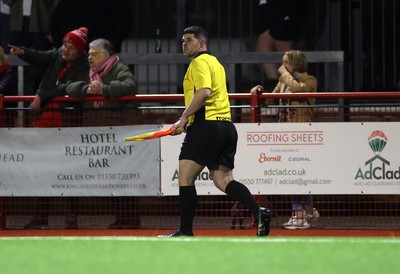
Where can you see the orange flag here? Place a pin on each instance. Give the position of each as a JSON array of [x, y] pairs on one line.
[[149, 135]]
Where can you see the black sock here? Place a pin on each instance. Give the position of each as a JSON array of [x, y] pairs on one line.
[[241, 193], [187, 203]]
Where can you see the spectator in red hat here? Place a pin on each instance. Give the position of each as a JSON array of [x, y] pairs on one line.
[[63, 65], [78, 38]]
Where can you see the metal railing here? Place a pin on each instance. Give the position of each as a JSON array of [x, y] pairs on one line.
[[164, 72], [329, 106], [337, 211]]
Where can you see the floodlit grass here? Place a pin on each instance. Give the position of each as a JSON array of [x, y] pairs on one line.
[[205, 255]]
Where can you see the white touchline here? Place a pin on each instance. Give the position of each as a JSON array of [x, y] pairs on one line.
[[312, 240]]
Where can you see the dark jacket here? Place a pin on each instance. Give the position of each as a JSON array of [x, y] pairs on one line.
[[119, 82], [50, 86]]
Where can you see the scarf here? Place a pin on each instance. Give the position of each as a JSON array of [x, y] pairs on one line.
[[62, 72], [98, 73]]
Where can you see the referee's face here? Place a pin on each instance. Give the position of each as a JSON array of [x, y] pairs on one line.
[[190, 45]]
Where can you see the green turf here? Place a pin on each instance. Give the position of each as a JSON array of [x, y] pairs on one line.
[[205, 255]]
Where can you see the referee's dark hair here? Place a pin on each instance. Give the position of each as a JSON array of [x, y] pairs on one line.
[[199, 32]]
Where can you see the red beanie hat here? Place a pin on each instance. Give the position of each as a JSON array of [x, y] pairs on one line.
[[78, 38]]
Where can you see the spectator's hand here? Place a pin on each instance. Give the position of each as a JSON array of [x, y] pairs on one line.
[[282, 69], [14, 50], [50, 38], [95, 88], [256, 89], [35, 105]]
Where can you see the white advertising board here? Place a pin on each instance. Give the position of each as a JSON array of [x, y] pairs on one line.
[[91, 161], [302, 158]]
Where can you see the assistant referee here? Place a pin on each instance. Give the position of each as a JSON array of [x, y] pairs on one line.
[[211, 137]]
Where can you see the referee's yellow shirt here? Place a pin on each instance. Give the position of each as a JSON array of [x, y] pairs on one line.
[[205, 71]]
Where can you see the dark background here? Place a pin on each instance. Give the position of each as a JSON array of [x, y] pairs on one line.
[[366, 30]]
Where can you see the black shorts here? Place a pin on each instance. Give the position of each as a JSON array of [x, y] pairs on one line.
[[280, 17], [210, 143]]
